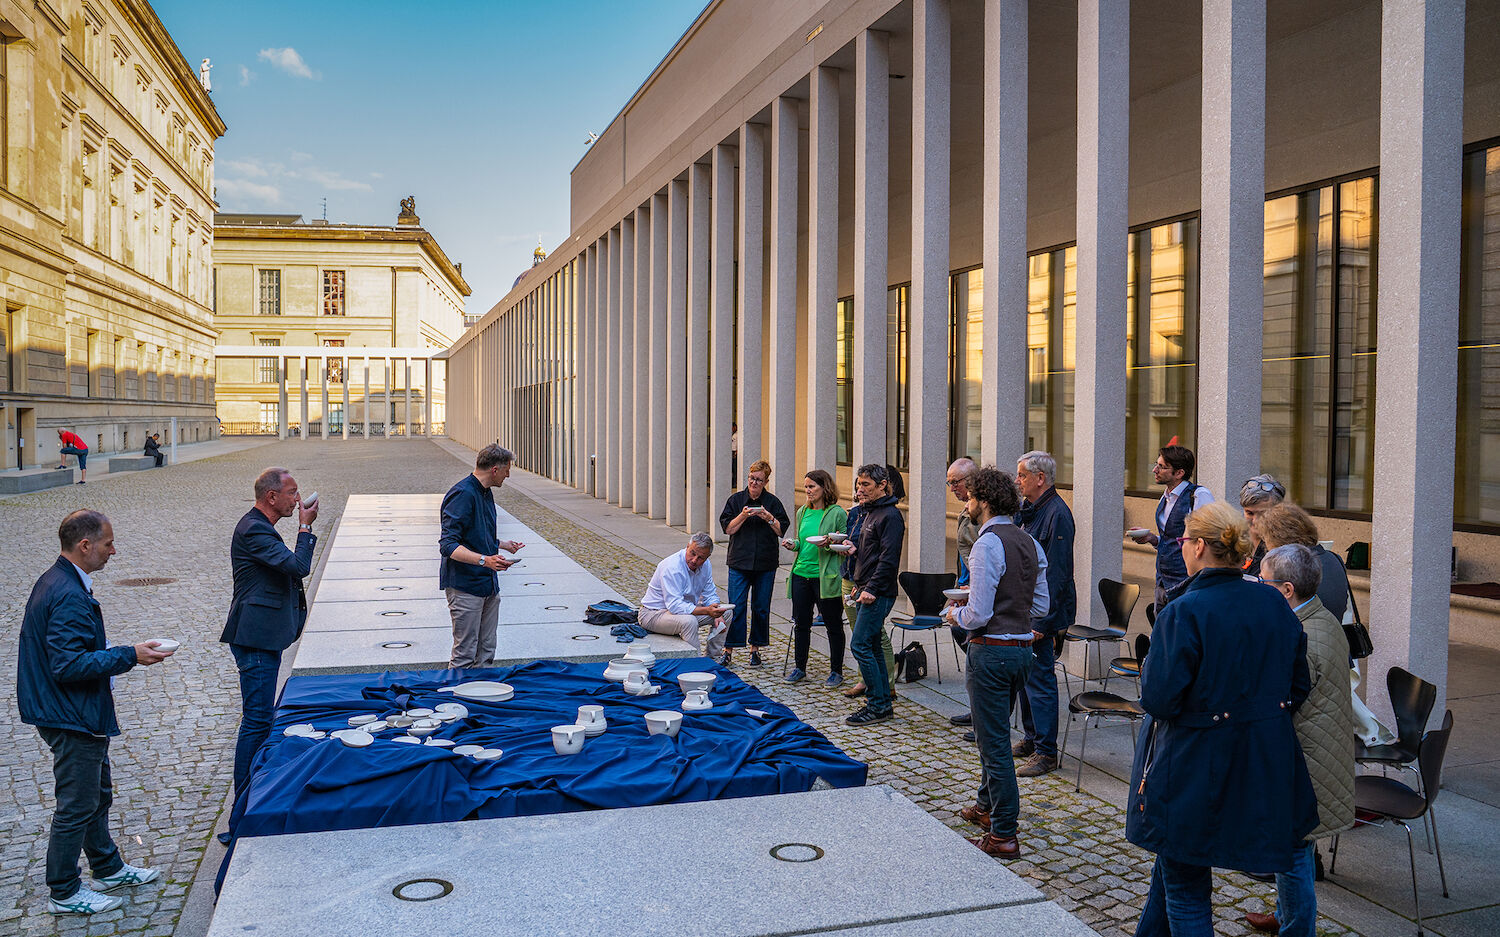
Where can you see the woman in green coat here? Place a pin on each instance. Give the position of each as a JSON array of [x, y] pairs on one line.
[[814, 580]]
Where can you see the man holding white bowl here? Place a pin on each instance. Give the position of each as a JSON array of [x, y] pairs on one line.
[[682, 597]]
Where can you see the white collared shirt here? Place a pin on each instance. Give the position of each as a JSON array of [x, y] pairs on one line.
[[678, 589], [986, 569], [88, 581], [1201, 496]]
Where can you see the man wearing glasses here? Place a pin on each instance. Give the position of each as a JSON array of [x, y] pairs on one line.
[[1174, 466], [958, 483]]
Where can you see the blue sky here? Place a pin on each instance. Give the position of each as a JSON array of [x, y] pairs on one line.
[[479, 109]]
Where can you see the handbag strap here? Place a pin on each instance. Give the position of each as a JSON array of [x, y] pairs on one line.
[[1349, 588]]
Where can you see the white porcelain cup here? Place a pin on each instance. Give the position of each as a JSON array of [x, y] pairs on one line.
[[664, 722], [636, 680], [591, 715], [697, 698], [568, 740]]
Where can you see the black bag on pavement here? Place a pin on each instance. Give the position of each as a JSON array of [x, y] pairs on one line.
[[911, 663], [610, 612]]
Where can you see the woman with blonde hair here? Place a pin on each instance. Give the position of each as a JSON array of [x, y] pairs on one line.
[[1286, 523], [1219, 779]]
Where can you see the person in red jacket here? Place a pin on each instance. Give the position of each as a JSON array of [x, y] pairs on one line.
[[73, 444]]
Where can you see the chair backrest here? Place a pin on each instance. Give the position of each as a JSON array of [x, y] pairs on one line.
[[1119, 600], [1142, 646], [1412, 699], [1430, 757], [925, 590], [1151, 614]]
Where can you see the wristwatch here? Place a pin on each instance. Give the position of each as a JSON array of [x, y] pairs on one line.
[[306, 527]]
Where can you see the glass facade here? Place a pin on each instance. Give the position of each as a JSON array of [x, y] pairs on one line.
[[1161, 345], [1476, 448], [843, 452], [966, 358], [897, 372]]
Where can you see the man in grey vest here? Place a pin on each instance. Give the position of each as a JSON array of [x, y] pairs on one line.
[[1007, 593]]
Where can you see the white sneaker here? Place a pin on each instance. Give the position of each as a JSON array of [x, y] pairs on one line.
[[128, 875], [84, 901]]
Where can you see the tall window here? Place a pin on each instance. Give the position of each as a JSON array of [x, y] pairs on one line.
[[898, 365], [1318, 345], [1476, 449], [335, 416], [270, 417], [8, 349], [966, 352], [1051, 327], [1161, 345], [4, 107], [270, 292], [844, 402], [333, 292], [335, 365], [270, 368]]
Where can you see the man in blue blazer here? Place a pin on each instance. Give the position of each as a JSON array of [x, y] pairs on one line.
[[269, 607], [65, 666]]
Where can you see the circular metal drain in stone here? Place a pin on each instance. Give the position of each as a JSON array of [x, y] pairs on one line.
[[533, 583], [797, 852], [395, 645], [385, 541], [585, 637], [386, 553], [144, 581], [423, 889], [392, 614], [390, 569], [555, 608], [392, 588]]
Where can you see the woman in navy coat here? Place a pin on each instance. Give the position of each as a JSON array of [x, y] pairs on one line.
[[1219, 778]]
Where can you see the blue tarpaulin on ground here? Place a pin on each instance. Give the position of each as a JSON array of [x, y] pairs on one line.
[[305, 785]]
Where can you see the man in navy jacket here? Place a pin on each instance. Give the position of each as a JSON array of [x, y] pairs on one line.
[[470, 544], [1046, 516], [65, 665], [269, 608]]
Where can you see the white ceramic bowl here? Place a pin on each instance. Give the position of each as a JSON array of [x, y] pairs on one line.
[[407, 740], [424, 727], [441, 743], [356, 739], [956, 593], [364, 720], [837, 536], [568, 740], [663, 722], [422, 713], [458, 709], [467, 749], [305, 729], [695, 680], [818, 541], [618, 668], [166, 645], [399, 720], [488, 754]]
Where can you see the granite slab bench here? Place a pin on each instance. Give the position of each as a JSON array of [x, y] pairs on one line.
[[15, 483], [134, 463]]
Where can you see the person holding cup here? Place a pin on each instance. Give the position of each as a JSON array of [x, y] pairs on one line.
[[814, 580], [754, 520]]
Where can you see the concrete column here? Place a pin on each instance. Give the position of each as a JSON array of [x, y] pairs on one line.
[[1002, 418], [872, 132], [555, 316], [751, 231], [584, 369], [657, 366], [721, 387], [426, 399], [302, 383], [609, 400], [1231, 233], [283, 419], [367, 397], [602, 373], [623, 475], [323, 390], [406, 365], [390, 386], [782, 354], [676, 376], [1421, 122], [699, 359], [645, 223], [931, 92], [822, 268], [1099, 419], [344, 387]]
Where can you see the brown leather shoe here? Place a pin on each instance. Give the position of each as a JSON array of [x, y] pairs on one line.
[[1001, 847], [1265, 923], [976, 816], [857, 690], [1023, 749], [1036, 766]]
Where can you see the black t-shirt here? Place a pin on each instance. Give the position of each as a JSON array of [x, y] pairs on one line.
[[754, 547]]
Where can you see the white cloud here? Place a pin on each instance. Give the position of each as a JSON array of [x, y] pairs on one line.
[[328, 179], [245, 191], [246, 76], [289, 61], [377, 175], [246, 167]]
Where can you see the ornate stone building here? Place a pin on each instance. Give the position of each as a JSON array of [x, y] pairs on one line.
[[105, 234], [386, 296]]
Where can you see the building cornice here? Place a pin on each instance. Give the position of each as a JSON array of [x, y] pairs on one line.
[[144, 18], [349, 233], [52, 16]]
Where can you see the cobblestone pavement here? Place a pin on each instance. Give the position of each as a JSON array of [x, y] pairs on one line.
[[173, 763]]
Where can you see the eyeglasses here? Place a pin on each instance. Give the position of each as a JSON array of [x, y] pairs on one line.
[[1274, 488], [757, 478], [955, 482], [1270, 581], [1186, 539]]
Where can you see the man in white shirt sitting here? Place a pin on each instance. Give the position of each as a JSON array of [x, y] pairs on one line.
[[682, 597]]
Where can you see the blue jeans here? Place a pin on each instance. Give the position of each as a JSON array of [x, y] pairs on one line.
[[1296, 902], [258, 669], [83, 455], [993, 673], [869, 626], [80, 769], [1038, 698], [1180, 903], [756, 586]]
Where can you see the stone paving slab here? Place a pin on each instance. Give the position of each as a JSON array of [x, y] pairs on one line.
[[882, 859], [1041, 919], [517, 584], [420, 612], [342, 553]]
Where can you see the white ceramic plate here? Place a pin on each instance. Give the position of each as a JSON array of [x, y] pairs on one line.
[[817, 541], [467, 749], [364, 720], [486, 690], [356, 739], [458, 709], [316, 734], [419, 713], [376, 726], [305, 729], [441, 743], [407, 740], [489, 754]]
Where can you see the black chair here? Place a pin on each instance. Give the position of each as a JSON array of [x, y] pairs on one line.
[[1391, 800], [1099, 704], [925, 590], [1412, 699], [1119, 600], [1130, 666]]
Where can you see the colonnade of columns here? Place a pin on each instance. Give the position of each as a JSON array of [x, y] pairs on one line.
[[668, 297], [396, 371]]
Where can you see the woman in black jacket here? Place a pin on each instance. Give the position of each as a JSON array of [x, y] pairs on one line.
[[754, 520], [877, 558]]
